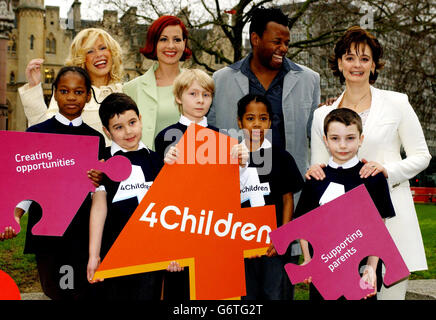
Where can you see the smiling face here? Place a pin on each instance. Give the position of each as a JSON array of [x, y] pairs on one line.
[[271, 48], [256, 120], [357, 64], [170, 45], [98, 62], [125, 130], [71, 95], [342, 141], [195, 102]]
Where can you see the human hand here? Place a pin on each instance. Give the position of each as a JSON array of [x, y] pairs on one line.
[[369, 281], [271, 251], [93, 264], [328, 102], [240, 151], [33, 72], [172, 155], [307, 280], [174, 266], [372, 168], [9, 232], [96, 176], [316, 171]]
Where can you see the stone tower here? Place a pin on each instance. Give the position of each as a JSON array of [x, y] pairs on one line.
[[30, 45], [30, 25]]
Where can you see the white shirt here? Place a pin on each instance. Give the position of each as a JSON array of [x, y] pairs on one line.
[[347, 165], [187, 122], [114, 149], [62, 119]]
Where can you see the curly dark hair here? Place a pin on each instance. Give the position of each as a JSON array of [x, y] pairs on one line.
[[355, 35]]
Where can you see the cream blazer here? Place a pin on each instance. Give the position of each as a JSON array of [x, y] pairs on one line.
[[36, 110], [143, 90], [391, 123]]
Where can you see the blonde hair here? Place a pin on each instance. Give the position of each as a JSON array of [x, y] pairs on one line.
[[185, 79], [84, 40]]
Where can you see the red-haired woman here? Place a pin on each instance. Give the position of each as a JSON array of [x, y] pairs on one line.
[[153, 92]]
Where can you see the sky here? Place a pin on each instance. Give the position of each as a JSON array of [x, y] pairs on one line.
[[87, 13]]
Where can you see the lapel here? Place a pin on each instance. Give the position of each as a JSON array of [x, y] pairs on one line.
[[149, 82], [376, 104], [289, 82], [242, 82], [291, 79]]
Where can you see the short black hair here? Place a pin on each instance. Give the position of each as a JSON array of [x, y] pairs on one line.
[[261, 16], [247, 99], [75, 69], [345, 116], [115, 104]]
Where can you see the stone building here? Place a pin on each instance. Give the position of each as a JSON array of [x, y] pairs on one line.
[[39, 32]]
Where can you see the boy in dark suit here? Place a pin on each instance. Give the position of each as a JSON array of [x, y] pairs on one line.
[[113, 203], [343, 137]]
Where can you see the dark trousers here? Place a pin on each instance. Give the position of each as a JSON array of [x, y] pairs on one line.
[[62, 277], [266, 279], [143, 286], [176, 285]]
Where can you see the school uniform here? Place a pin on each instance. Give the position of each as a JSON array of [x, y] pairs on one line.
[[122, 200], [71, 249], [36, 109], [317, 192], [271, 173], [176, 284], [173, 133]]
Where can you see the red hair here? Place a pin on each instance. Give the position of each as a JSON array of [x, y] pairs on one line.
[[154, 32]]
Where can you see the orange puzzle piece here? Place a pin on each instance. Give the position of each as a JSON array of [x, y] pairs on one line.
[[192, 214]]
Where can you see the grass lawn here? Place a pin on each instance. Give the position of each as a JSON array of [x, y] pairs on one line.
[[22, 268], [427, 222]]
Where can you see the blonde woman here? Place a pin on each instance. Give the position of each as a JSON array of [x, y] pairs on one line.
[[92, 49]]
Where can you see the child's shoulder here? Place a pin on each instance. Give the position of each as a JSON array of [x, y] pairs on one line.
[[280, 152], [90, 130], [213, 128], [377, 180], [176, 126], [44, 127]]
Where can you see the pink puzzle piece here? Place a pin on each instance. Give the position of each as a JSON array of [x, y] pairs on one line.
[[342, 232], [51, 170]]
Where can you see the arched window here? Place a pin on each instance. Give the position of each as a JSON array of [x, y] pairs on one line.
[[12, 77], [50, 44], [47, 45], [53, 45], [12, 45], [32, 40]]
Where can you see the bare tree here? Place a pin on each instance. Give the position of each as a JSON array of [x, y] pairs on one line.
[[406, 28]]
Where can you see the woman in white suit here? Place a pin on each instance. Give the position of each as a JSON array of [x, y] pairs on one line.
[[389, 123]]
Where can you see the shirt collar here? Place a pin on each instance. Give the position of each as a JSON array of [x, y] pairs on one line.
[[115, 147], [62, 119], [185, 121], [244, 64], [265, 144], [349, 164]]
